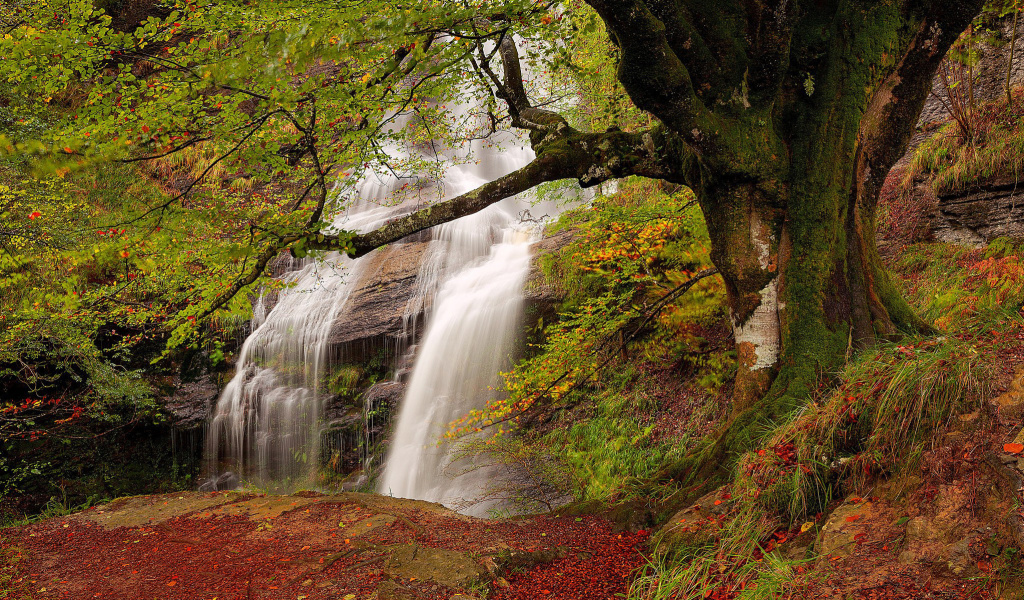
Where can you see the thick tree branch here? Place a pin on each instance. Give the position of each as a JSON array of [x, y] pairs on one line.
[[589, 158], [654, 76]]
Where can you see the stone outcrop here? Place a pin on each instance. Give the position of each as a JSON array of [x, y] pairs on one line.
[[374, 318], [989, 211], [990, 72]]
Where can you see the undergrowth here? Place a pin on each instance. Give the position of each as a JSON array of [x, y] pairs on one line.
[[995, 152], [964, 289], [869, 423]]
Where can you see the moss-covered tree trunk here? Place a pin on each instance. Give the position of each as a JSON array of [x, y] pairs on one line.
[[796, 112]]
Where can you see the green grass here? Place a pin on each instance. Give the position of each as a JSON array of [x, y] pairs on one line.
[[11, 585], [55, 507], [964, 290], [996, 153], [734, 561]]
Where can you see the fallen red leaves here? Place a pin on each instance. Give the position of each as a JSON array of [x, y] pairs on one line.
[[598, 567], [300, 553]]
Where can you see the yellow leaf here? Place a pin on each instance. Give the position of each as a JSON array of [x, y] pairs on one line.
[[806, 526]]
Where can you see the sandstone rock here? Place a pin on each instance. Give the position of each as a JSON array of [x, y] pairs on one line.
[[959, 561], [921, 529], [447, 567], [512, 561], [374, 317], [1015, 523], [1009, 406], [837, 536]]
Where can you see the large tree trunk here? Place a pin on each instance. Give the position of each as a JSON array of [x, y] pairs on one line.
[[793, 232]]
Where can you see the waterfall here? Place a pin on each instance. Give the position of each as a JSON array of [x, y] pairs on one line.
[[470, 338], [267, 422], [266, 425]]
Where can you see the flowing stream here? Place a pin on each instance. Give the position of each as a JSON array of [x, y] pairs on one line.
[[265, 428]]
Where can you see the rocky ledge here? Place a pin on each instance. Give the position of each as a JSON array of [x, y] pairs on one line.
[[378, 311], [980, 215]]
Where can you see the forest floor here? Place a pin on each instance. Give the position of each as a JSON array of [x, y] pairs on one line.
[[235, 545]]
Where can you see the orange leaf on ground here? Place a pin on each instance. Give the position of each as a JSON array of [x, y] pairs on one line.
[[1013, 448], [852, 518]]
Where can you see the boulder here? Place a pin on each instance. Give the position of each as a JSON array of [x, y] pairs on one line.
[[838, 535], [695, 525], [941, 538]]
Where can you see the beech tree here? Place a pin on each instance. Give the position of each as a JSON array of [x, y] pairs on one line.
[[783, 116]]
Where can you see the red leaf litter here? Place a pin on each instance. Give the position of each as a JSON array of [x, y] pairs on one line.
[[201, 546], [600, 573]]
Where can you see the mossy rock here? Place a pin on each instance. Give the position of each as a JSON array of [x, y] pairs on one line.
[[696, 525], [449, 568]]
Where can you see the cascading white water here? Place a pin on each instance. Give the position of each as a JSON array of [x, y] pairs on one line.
[[470, 338], [265, 424]]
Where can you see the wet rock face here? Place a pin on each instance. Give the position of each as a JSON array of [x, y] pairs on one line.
[[354, 432], [374, 316], [191, 403], [538, 289], [981, 215]]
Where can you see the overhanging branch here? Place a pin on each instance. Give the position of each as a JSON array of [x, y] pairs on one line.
[[589, 158]]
